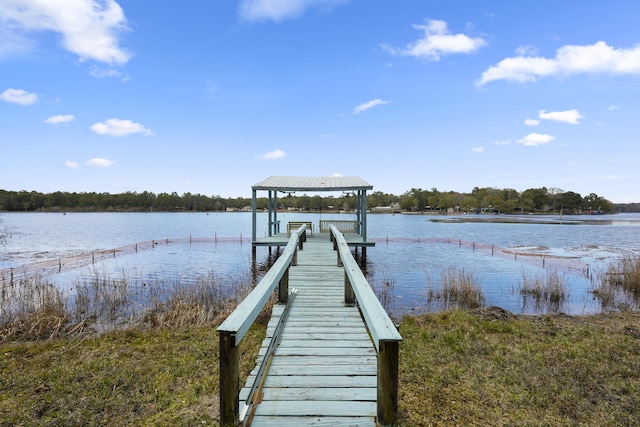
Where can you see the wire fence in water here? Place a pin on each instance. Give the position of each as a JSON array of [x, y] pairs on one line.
[[529, 254], [8, 276]]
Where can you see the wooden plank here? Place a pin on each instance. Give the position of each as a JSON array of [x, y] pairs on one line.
[[326, 343], [311, 394], [324, 351], [324, 371], [319, 408], [326, 360], [325, 394], [318, 370], [278, 421]]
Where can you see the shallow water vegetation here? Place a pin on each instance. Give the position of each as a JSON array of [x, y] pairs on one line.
[[458, 288], [618, 285], [35, 309], [545, 290]]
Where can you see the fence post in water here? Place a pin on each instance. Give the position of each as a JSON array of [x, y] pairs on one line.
[[543, 259], [11, 276], [491, 250], [229, 379], [59, 265], [93, 258], [387, 382], [474, 246], [136, 248]]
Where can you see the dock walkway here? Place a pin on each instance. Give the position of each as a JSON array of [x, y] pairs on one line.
[[324, 370]]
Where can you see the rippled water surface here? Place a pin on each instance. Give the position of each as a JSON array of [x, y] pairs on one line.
[[410, 255]]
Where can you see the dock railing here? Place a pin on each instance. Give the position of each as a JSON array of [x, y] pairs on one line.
[[234, 328], [384, 334]]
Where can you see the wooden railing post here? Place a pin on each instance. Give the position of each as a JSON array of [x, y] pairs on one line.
[[229, 380], [387, 382], [283, 287], [349, 294]]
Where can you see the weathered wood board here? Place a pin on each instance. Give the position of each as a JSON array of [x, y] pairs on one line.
[[323, 373]]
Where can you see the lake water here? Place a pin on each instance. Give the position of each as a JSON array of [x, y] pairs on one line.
[[411, 252]]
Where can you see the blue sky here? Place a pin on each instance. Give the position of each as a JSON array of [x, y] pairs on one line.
[[211, 97]]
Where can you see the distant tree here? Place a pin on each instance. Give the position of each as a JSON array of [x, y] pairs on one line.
[[593, 202]]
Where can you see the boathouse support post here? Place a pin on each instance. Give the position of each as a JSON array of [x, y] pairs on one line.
[[276, 223], [387, 382], [254, 207], [364, 217], [269, 214], [229, 379]]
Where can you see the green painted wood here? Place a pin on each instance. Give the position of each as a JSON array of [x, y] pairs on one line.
[[324, 394], [321, 381], [324, 351], [314, 421], [378, 322], [318, 408], [324, 370]]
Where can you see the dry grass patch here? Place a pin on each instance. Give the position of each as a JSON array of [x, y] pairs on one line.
[[134, 377], [494, 368]]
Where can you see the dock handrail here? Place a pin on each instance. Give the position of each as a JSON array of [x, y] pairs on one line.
[[384, 334], [236, 325]]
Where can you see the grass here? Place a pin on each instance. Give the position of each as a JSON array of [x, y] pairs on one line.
[[133, 377], [482, 367], [492, 368], [459, 288], [548, 290], [618, 285]]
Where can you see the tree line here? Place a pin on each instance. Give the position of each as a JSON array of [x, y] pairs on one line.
[[487, 200]]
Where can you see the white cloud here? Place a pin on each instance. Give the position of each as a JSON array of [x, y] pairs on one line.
[[60, 118], [71, 165], [273, 155], [531, 122], [103, 73], [99, 162], [569, 116], [503, 142], [609, 177], [19, 96], [279, 10], [534, 139], [438, 41], [117, 127], [477, 150], [364, 107], [598, 58], [526, 51], [337, 174], [613, 107], [89, 28]]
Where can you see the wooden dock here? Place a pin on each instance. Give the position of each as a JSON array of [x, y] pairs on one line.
[[335, 358], [324, 370]]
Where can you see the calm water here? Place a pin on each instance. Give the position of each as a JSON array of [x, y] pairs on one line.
[[410, 255]]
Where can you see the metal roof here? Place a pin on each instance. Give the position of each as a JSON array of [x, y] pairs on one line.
[[313, 183]]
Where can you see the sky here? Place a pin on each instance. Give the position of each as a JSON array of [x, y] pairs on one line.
[[211, 97]]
